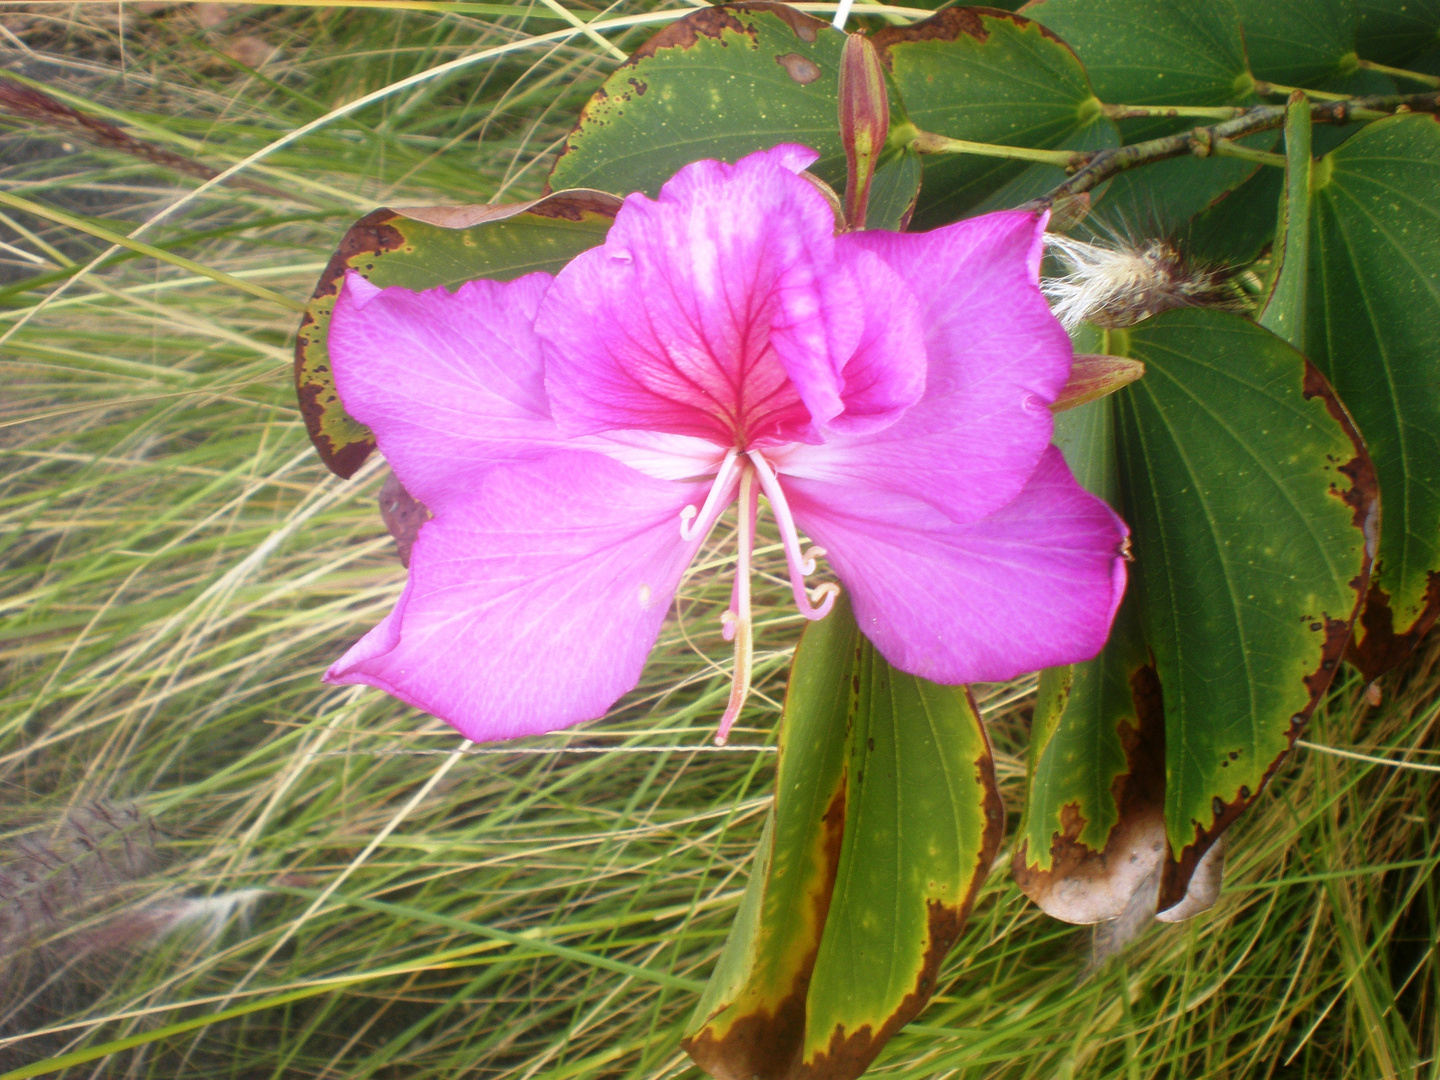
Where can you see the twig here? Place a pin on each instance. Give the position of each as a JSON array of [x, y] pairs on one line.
[[1203, 142]]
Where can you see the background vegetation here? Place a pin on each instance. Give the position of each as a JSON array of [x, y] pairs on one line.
[[214, 865]]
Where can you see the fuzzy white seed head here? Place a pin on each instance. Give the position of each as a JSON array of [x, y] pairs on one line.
[[1118, 285]]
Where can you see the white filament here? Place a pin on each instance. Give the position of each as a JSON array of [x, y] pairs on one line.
[[800, 564]]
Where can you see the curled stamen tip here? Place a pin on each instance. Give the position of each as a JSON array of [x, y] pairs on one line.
[[808, 563], [823, 596], [720, 739], [686, 517]]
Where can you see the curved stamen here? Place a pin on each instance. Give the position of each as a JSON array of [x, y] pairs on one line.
[[813, 604], [737, 619], [715, 502]]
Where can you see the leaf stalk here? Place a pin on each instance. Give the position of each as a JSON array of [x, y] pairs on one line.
[[928, 143]]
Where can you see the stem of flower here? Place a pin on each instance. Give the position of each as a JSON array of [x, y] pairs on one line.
[[738, 617]]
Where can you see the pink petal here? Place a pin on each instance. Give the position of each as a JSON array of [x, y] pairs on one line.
[[450, 383], [997, 358], [532, 604], [886, 374], [1033, 585], [719, 311]]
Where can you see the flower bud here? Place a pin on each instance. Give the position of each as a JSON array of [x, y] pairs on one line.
[[864, 121], [1093, 377]]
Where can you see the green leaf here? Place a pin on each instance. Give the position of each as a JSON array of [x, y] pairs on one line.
[[1299, 44], [885, 823], [1093, 832], [1252, 504], [1373, 327], [894, 190], [751, 1019], [923, 820], [1094, 827], [986, 76], [720, 83], [1237, 226], [1284, 311], [421, 248], [1155, 52], [1160, 52], [1395, 31]]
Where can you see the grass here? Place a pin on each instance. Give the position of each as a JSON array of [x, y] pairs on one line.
[[348, 894]]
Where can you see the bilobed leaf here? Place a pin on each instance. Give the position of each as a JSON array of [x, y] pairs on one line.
[[1396, 31], [1093, 834], [751, 1019], [1253, 509], [885, 823], [1373, 327], [421, 248], [1235, 228], [1299, 44], [1159, 52], [1154, 52], [721, 83], [923, 820], [987, 76]]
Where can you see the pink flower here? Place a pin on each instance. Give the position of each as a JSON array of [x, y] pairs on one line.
[[577, 437]]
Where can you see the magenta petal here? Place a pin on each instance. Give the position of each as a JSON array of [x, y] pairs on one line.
[[715, 311], [996, 357], [886, 374], [1033, 585], [450, 383], [533, 603]]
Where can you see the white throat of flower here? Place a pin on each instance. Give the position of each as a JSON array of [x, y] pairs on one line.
[[745, 471]]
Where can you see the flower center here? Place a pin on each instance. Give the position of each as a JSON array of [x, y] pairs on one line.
[[754, 475]]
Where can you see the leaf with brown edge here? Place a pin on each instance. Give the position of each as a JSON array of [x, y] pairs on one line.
[[885, 823], [1094, 825], [421, 248], [990, 76], [1372, 325], [923, 821], [1092, 840], [751, 1019], [1253, 508]]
